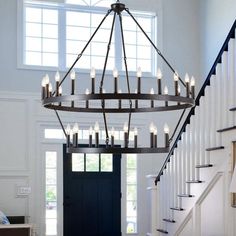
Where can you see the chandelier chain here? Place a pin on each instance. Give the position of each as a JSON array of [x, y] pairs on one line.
[[103, 76]]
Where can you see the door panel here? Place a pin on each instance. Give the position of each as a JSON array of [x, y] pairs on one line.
[[92, 204]]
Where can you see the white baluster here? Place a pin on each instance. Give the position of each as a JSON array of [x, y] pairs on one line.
[[179, 172], [168, 190], [219, 105], [225, 82], [161, 204], [157, 224], [187, 159], [183, 154], [231, 71], [207, 122], [193, 147], [172, 204], [213, 105], [202, 130], [176, 176], [197, 141]]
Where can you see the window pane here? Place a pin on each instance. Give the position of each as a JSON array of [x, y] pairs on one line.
[[131, 51], [51, 210], [131, 208], [51, 193], [51, 226], [142, 40], [50, 45], [144, 52], [131, 176], [145, 23], [50, 31], [77, 162], [103, 36], [77, 33], [97, 18], [33, 44], [75, 47], [54, 134], [106, 163], [131, 192], [50, 59], [131, 161], [50, 16], [132, 64], [78, 18], [99, 49], [92, 162], [51, 176], [33, 14], [145, 64], [51, 159], [128, 23], [130, 37], [33, 58], [78, 2], [33, 29]]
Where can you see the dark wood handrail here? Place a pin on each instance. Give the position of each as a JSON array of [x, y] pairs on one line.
[[200, 94]]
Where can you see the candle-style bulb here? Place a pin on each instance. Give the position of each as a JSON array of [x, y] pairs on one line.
[[75, 128], [187, 80], [135, 131], [152, 91], [96, 127], [50, 87], [72, 74], [60, 90], [47, 79], [179, 89], [151, 127], [176, 76], [155, 130], [113, 131], [119, 91], [91, 130], [159, 73], [115, 73], [87, 91], [192, 81], [166, 90], [43, 83], [125, 128], [166, 129], [57, 76], [92, 72], [68, 129], [139, 72]]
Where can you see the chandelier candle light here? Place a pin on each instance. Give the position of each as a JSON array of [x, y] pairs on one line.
[[138, 101]]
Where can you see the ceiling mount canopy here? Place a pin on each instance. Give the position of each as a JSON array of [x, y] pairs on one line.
[[97, 100]]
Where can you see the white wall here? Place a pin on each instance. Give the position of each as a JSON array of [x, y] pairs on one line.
[[216, 19]]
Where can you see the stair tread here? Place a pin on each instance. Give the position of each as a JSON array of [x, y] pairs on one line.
[[185, 195], [204, 166], [177, 209], [162, 231], [169, 220], [194, 181], [214, 148], [233, 109], [226, 129]]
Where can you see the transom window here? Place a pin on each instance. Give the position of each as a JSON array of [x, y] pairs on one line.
[[54, 34]]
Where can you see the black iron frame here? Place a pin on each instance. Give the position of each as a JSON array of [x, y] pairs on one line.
[[55, 102]]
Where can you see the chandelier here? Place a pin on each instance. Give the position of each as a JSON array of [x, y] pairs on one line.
[[100, 101]]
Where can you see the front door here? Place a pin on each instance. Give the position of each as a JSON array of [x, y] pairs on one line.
[[92, 194]]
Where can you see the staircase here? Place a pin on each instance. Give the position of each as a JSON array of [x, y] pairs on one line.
[[200, 156]]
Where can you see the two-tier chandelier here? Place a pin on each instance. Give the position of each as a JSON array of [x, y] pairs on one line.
[[99, 101]]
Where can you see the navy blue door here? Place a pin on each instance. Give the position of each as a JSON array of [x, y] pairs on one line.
[[92, 199]]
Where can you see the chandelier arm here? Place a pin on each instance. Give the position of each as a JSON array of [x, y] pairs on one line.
[[103, 76], [177, 126], [155, 47], [59, 119], [126, 70], [81, 53]]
